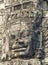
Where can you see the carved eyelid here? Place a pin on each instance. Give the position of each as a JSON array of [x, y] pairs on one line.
[[25, 33]]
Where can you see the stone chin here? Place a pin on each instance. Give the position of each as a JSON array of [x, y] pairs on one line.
[[21, 51]]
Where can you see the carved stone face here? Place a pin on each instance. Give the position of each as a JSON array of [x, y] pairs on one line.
[[20, 39]]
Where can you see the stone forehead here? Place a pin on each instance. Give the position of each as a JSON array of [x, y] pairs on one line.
[[20, 26]]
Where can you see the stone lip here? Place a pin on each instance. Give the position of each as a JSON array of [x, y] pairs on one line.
[[20, 49]]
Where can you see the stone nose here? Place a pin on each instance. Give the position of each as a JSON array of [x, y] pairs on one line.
[[21, 42]]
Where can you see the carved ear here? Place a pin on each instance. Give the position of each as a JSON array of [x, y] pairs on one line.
[[38, 16], [37, 20]]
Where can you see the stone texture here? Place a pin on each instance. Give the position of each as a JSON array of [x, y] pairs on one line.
[[23, 23]]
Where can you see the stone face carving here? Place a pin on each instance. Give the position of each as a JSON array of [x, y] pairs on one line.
[[20, 39], [23, 34]]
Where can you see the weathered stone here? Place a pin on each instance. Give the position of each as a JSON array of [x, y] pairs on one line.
[[23, 32]]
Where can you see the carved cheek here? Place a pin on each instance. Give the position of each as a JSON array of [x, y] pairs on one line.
[[27, 40]]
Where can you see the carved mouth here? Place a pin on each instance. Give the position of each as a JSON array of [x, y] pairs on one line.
[[19, 49], [20, 52]]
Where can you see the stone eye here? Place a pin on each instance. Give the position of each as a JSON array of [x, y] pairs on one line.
[[26, 33], [12, 36]]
